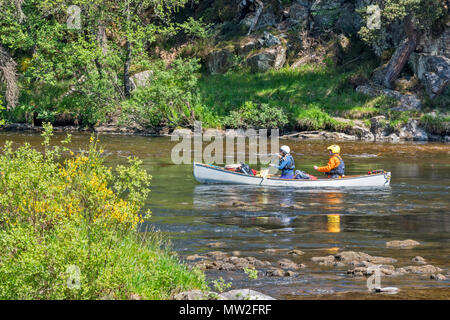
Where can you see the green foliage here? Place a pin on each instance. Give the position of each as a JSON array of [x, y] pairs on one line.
[[381, 14], [436, 123], [2, 110], [252, 273], [257, 116], [196, 28], [314, 118], [169, 100], [77, 71], [58, 216], [220, 285]]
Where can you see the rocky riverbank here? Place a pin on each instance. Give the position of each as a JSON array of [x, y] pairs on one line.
[[295, 263], [357, 130]]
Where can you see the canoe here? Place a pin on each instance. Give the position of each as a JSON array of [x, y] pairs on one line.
[[210, 174]]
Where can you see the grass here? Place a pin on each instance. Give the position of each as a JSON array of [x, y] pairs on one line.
[[310, 94]]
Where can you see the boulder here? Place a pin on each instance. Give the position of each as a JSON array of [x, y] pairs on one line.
[[426, 269], [275, 272], [219, 61], [269, 40], [412, 131], [295, 252], [419, 260], [433, 71], [289, 264], [438, 276], [247, 46], [266, 19], [182, 132], [405, 101], [271, 58]]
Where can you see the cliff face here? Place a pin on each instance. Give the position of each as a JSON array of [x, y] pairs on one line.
[[269, 34]]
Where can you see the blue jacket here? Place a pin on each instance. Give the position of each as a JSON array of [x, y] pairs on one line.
[[286, 165]]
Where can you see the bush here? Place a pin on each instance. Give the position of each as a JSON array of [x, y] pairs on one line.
[[436, 124], [257, 116], [68, 229], [170, 98]]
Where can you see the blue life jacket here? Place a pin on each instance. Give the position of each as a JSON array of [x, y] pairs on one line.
[[340, 169], [290, 166]]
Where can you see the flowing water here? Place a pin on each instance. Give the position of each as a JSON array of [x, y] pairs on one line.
[[319, 222]]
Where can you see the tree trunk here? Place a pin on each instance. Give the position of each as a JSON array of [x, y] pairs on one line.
[[390, 73], [126, 68], [8, 69]]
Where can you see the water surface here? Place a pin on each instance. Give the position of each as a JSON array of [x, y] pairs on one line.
[[319, 222]]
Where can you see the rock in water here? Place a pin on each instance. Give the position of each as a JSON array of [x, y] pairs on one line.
[[438, 276], [419, 260], [399, 244], [245, 294], [387, 289]]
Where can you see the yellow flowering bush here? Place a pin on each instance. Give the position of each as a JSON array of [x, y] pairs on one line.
[[59, 214]]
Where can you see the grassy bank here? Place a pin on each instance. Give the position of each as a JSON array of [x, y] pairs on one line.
[[309, 96], [68, 230]]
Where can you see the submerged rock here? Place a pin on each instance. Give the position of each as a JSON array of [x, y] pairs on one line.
[[438, 276], [296, 252], [426, 269], [402, 244], [289, 264], [275, 272], [419, 260]]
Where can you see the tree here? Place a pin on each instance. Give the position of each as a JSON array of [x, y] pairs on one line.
[[85, 69], [416, 16]]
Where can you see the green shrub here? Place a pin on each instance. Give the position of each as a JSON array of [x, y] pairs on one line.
[[436, 124], [257, 116], [169, 99], [68, 229]]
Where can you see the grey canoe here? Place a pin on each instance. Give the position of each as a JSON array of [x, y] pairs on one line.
[[210, 174]]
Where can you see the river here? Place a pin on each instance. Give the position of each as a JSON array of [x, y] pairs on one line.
[[197, 218]]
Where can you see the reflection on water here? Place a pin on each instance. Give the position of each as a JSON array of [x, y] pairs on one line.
[[250, 219], [334, 222]]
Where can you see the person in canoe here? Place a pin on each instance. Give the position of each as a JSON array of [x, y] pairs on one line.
[[336, 167], [286, 163]]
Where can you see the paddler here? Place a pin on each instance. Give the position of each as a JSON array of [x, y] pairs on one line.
[[286, 163], [336, 167]]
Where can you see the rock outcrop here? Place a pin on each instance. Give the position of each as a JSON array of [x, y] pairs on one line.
[[433, 71], [271, 58], [219, 61]]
